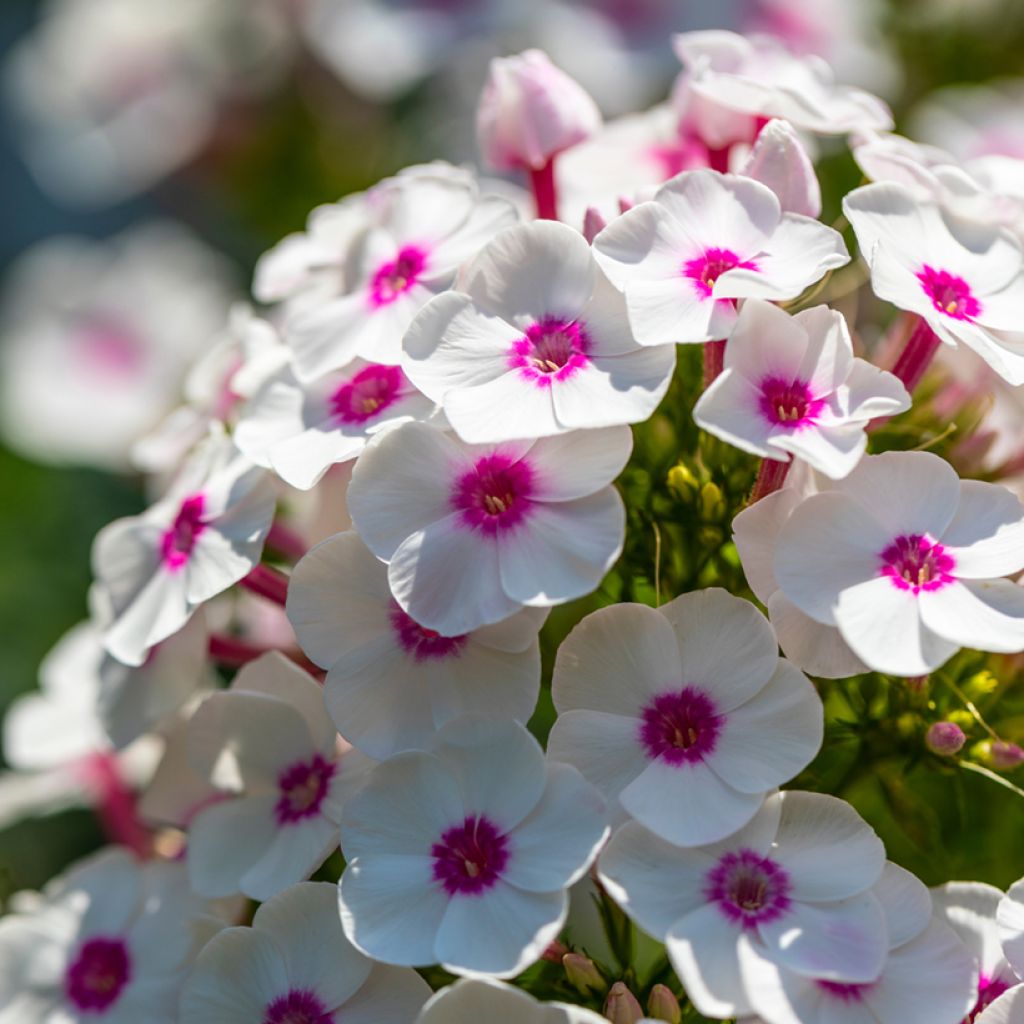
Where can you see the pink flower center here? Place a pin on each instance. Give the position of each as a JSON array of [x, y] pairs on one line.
[[369, 393], [299, 1006], [470, 857], [680, 728], [495, 494], [949, 294], [422, 643], [397, 276], [845, 992], [989, 990], [98, 975], [109, 348], [789, 403], [551, 349], [302, 787], [180, 537], [749, 889], [706, 269], [917, 563]]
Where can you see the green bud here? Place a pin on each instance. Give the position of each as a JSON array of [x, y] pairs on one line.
[[583, 975], [663, 1005]]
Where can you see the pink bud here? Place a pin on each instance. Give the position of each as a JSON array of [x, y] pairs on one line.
[[1006, 755], [593, 222], [780, 161], [621, 1006], [945, 738], [530, 111]]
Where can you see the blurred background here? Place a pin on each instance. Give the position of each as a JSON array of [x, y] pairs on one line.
[[186, 138]]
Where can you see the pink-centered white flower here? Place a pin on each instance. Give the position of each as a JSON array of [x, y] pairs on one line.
[[472, 533], [426, 229], [391, 683], [928, 975], [270, 748], [706, 240], [295, 966], [535, 342], [965, 279], [1010, 919], [472, 1000], [907, 560], [972, 909], [462, 854], [684, 715], [109, 942], [155, 569], [793, 886], [792, 387], [302, 429]]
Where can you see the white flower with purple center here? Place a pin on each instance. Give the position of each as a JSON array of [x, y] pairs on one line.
[[906, 560], [704, 241], [472, 1000], [284, 776], [155, 569], [391, 683], [462, 854], [109, 942], [792, 387], [302, 429], [684, 716], [965, 279], [536, 342], [928, 975], [792, 886], [428, 227], [295, 966], [472, 533]]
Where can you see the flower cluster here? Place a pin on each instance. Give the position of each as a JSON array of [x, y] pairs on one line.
[[452, 636]]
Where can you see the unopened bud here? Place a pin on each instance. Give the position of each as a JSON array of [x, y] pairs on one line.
[[663, 1005], [1005, 756], [945, 738], [980, 685], [962, 718], [682, 481], [712, 504], [621, 1006], [582, 974], [593, 223], [530, 111]]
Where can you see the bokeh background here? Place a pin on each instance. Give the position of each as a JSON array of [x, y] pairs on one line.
[[327, 107]]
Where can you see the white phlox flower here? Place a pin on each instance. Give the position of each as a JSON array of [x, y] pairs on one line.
[[471, 1000]]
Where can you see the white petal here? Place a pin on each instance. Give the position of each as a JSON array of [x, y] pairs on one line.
[[834, 451], [754, 532], [1010, 918], [986, 536], [391, 995], [669, 312], [870, 392], [818, 649], [905, 902], [970, 908], [295, 852], [987, 615], [580, 463], [780, 161], [730, 409], [644, 243], [1007, 1009], [509, 407], [478, 999], [225, 840]]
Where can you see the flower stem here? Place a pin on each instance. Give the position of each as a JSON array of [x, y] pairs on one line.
[[770, 477], [285, 540], [234, 652], [916, 356], [268, 583], [545, 194], [714, 361], [116, 805]]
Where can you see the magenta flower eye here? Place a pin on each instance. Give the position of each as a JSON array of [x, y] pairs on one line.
[[98, 975], [469, 858]]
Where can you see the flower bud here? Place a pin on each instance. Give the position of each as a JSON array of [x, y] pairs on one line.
[[682, 481], [663, 1005], [712, 502], [530, 111], [945, 738], [593, 222], [621, 1006], [582, 974], [1005, 756], [780, 161]]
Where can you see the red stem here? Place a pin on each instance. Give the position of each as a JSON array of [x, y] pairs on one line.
[[285, 540], [268, 583], [913, 361], [714, 361], [718, 159], [545, 194], [770, 477], [234, 652], [116, 805]]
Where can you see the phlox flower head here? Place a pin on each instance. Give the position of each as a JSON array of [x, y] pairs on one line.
[[155, 569], [792, 387], [270, 749], [390, 681], [472, 533], [536, 342], [907, 562], [928, 973], [793, 887], [685, 715], [704, 241], [462, 854], [965, 279], [475, 999], [295, 966], [422, 228], [300, 429], [110, 941]]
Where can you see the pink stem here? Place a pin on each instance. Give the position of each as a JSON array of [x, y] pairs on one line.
[[718, 159], [714, 361], [116, 805], [545, 194], [284, 539], [770, 477], [268, 583], [916, 356], [234, 652]]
